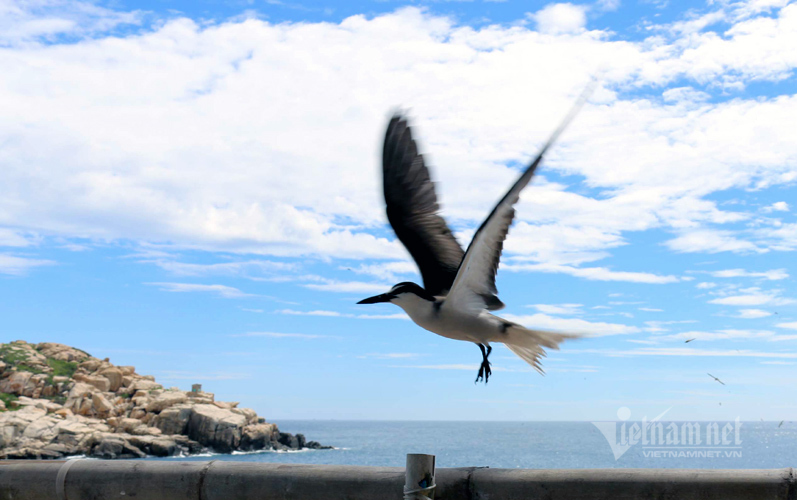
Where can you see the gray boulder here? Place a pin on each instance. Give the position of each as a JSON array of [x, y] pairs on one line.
[[216, 428]]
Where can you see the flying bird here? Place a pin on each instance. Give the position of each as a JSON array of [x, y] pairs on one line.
[[780, 424], [459, 286], [715, 378], [686, 342]]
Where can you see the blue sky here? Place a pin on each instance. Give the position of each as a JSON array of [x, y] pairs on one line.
[[193, 188]]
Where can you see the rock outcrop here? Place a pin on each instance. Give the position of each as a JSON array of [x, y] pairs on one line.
[[57, 401]]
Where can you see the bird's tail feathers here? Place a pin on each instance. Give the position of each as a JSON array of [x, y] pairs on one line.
[[528, 344]]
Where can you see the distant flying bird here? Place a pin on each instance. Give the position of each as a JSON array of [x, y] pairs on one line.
[[689, 340], [715, 378], [780, 424], [459, 287]]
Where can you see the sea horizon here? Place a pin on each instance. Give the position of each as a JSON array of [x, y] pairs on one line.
[[529, 444]]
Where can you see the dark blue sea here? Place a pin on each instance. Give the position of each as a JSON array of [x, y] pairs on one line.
[[538, 445]]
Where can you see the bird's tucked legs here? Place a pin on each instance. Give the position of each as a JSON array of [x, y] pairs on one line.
[[484, 369]]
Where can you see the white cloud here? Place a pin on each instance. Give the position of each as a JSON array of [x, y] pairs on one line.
[[608, 5], [780, 206], [659, 326], [706, 285], [641, 341], [711, 241], [201, 155], [390, 271], [19, 266], [12, 238], [293, 312], [565, 309], [753, 297], [650, 309], [245, 268], [594, 273], [753, 313], [790, 325], [223, 290], [23, 21], [571, 325], [773, 274], [784, 337], [557, 18]]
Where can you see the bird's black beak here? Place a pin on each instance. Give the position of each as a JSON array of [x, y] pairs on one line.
[[385, 297]]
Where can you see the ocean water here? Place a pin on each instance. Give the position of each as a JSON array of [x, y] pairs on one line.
[[534, 445]]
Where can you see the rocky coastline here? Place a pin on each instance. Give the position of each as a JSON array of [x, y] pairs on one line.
[[57, 401]]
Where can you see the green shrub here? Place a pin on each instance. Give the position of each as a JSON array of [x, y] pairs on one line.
[[7, 399], [62, 368], [12, 355]]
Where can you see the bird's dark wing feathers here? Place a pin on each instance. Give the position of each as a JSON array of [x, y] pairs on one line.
[[491, 235], [476, 274], [412, 210]]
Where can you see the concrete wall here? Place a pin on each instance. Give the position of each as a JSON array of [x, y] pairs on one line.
[[221, 480]]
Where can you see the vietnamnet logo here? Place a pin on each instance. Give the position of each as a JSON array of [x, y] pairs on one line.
[[662, 439]]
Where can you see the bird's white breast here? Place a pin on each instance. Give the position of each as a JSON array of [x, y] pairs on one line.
[[448, 322]]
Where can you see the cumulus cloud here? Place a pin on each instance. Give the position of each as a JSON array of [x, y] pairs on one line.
[[202, 154], [779, 206], [558, 18]]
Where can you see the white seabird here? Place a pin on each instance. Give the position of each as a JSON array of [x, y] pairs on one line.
[[459, 287]]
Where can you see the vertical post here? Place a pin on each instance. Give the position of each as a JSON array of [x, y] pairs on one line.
[[419, 480]]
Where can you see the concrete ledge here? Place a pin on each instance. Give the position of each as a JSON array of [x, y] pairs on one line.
[[622, 484], [217, 480]]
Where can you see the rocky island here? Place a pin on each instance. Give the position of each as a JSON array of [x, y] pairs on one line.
[[57, 401]]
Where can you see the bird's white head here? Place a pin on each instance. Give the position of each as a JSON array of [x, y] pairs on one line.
[[398, 293]]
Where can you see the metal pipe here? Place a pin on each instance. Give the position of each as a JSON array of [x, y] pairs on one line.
[[217, 480], [419, 477]]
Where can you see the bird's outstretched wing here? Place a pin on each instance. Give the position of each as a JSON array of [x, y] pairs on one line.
[[412, 209], [475, 278]]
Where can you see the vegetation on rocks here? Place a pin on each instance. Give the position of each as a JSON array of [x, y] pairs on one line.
[[57, 401]]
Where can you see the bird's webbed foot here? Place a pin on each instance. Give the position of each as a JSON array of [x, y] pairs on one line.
[[484, 369]]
